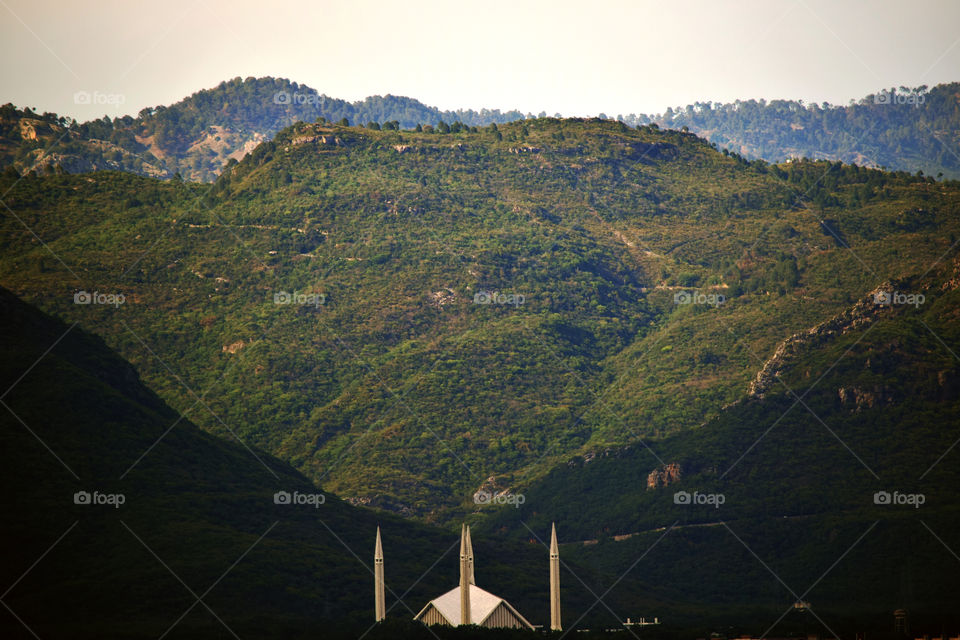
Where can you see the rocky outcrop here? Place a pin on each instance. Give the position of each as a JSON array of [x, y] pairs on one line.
[[862, 313], [489, 490], [862, 398], [443, 297], [663, 476], [234, 346], [328, 140]]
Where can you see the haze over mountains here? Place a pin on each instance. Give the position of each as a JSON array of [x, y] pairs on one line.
[[577, 316], [899, 128]]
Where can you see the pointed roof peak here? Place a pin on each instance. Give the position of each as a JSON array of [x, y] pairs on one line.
[[378, 549], [471, 577], [554, 547]]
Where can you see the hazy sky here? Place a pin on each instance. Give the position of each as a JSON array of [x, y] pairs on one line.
[[576, 58]]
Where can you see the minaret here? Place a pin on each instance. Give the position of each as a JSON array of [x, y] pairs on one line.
[[554, 581], [464, 577], [379, 601], [472, 579]]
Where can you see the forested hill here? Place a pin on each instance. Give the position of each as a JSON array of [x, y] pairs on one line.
[[169, 506], [905, 129], [198, 135], [499, 281]]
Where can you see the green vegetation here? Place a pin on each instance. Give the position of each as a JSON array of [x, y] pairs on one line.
[[197, 136], [205, 508], [798, 481], [905, 129], [399, 391], [406, 317], [902, 129]]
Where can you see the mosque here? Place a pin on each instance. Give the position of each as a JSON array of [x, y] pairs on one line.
[[467, 603]]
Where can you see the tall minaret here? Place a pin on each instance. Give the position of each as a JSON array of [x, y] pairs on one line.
[[473, 580], [464, 578], [554, 581], [379, 601]]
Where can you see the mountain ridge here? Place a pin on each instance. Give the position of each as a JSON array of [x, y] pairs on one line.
[[402, 239], [197, 136]]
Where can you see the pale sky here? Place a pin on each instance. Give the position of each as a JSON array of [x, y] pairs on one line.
[[576, 58]]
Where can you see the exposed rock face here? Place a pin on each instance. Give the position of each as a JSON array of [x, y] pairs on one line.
[[443, 297], [491, 488], [328, 139], [861, 398], [234, 347], [663, 476], [863, 312]]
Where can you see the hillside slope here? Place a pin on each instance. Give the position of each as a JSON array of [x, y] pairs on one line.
[[470, 308], [900, 129], [907, 129], [198, 135], [174, 513], [866, 402]]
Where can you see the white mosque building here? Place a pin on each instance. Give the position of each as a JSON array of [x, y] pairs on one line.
[[467, 603]]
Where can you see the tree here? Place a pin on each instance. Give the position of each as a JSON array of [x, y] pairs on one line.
[[443, 127], [344, 122]]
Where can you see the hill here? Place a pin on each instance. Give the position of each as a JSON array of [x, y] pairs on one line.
[[122, 519], [838, 472], [900, 129], [908, 129], [197, 136], [410, 317]]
